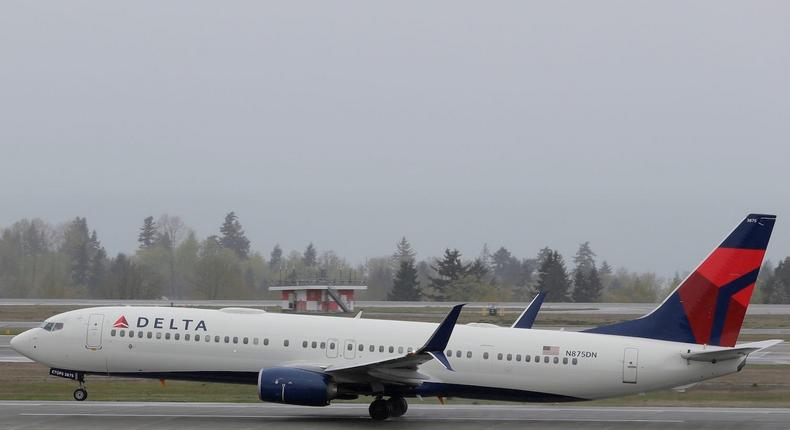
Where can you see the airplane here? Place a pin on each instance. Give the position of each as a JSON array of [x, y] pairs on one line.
[[313, 360], [527, 318]]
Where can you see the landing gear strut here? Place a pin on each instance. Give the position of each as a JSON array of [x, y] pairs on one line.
[[381, 409], [81, 393]]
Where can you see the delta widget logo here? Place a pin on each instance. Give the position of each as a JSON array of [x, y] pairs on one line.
[[121, 323]]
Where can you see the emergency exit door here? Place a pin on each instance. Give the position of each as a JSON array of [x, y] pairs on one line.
[[630, 365]]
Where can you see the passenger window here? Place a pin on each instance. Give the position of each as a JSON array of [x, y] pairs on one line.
[[186, 336], [510, 357], [485, 356], [216, 339], [123, 333], [468, 354], [177, 336], [254, 340], [400, 350], [332, 346], [574, 361], [449, 353], [361, 347], [564, 360], [265, 341], [545, 358], [112, 332], [149, 335], [350, 347], [409, 349], [556, 360], [206, 338], [314, 344], [381, 348], [537, 359], [227, 339], [159, 335], [527, 358], [140, 334], [499, 356], [286, 342], [372, 348], [167, 336], [323, 345], [518, 357], [245, 341], [304, 344], [235, 340], [392, 349], [458, 353]]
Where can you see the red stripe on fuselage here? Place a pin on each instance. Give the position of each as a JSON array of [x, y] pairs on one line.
[[727, 264]]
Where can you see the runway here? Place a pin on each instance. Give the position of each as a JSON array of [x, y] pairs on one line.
[[87, 415]]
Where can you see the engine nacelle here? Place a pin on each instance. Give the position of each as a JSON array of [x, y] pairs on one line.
[[295, 387]]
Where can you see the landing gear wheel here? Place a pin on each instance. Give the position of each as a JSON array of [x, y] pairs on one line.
[[379, 410], [397, 406], [80, 394]]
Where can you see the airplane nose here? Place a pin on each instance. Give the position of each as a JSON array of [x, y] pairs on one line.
[[21, 343]]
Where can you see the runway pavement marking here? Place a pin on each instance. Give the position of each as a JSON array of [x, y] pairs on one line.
[[341, 417]]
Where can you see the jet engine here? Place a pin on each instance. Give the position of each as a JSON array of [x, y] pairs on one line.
[[295, 386]]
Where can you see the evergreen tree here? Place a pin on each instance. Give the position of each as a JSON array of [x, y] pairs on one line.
[[97, 266], [310, 257], [148, 233], [405, 287], [477, 270], [403, 251], [553, 277], [76, 246], [233, 237], [587, 286], [276, 257], [585, 258], [605, 269], [450, 269]]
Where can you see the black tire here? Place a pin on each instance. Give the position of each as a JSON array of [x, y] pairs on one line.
[[379, 410], [80, 394], [397, 406]]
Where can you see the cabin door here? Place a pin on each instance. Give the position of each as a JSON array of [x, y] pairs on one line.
[[630, 365], [93, 337]]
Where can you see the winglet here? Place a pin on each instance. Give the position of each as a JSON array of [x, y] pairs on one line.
[[438, 341], [527, 318]]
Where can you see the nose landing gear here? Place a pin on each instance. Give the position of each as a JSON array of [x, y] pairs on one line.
[[81, 393], [394, 407]]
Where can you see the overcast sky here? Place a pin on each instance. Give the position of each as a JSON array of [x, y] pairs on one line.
[[649, 128]]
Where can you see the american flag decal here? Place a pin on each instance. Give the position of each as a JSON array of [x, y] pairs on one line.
[[551, 350]]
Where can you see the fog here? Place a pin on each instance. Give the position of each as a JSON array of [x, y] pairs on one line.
[[649, 129]]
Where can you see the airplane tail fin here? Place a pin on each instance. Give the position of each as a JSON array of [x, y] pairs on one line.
[[708, 307]]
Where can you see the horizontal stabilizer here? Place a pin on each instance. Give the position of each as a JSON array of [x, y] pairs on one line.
[[739, 351]]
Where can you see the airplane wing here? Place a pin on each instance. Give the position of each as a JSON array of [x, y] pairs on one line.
[[527, 318], [403, 369], [739, 351]]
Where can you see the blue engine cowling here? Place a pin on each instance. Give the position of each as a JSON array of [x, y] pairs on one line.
[[295, 387]]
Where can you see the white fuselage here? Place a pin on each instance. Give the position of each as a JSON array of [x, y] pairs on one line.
[[490, 357]]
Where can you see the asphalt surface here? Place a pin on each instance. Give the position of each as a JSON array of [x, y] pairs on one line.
[[90, 415]]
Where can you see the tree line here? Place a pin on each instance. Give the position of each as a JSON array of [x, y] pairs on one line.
[[38, 259]]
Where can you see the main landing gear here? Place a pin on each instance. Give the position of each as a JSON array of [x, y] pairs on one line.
[[394, 407], [81, 393]]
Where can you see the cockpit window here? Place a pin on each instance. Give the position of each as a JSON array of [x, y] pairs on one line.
[[51, 326]]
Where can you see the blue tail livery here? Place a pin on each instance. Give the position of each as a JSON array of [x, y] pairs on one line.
[[708, 307]]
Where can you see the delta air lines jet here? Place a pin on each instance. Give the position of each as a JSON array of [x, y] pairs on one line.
[[312, 360]]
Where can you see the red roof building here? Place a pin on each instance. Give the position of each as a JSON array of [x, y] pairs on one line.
[[318, 298]]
